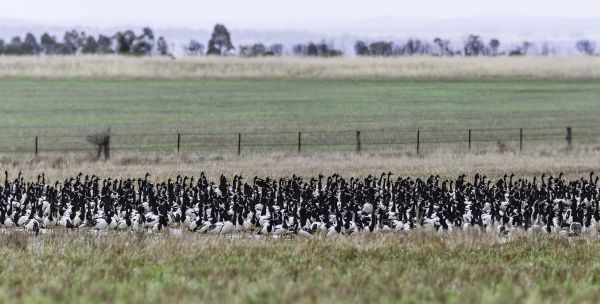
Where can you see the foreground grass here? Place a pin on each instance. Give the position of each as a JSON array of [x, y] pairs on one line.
[[414, 267]]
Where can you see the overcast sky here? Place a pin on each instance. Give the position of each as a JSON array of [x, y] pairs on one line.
[[245, 12]]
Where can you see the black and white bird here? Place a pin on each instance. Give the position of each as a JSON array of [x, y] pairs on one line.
[[320, 206]]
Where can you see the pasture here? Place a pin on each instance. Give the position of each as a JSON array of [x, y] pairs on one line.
[[270, 111], [30, 106]]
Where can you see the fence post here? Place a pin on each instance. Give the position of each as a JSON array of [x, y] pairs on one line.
[[569, 139], [469, 139], [36, 146], [239, 143], [357, 141], [521, 139], [418, 140], [178, 141], [107, 146], [299, 142]]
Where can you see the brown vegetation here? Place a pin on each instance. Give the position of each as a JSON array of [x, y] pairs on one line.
[[575, 164], [228, 67]]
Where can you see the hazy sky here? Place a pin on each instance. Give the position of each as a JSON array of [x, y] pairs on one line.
[[185, 12]]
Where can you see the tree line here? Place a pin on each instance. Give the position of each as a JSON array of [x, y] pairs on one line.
[[220, 43], [474, 45], [74, 42]]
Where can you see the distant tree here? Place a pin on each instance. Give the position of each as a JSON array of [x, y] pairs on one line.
[[162, 47], [527, 47], [323, 49], [440, 43], [220, 41], [194, 48], [398, 49], [416, 47], [334, 53], [275, 49], [2, 46], [245, 50], [122, 43], [300, 50], [327, 50], [522, 49], [517, 51], [474, 46], [586, 47], [30, 45], [48, 44], [143, 44], [147, 35], [410, 47], [312, 49], [125, 41], [493, 46], [73, 41], [443, 47], [361, 48], [316, 50], [104, 45], [15, 47], [259, 49], [90, 46], [253, 50], [381, 48]]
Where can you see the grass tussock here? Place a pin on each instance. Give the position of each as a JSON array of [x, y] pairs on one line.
[[215, 67], [413, 267]]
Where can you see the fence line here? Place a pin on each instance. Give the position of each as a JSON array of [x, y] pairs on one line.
[[469, 139], [376, 130]]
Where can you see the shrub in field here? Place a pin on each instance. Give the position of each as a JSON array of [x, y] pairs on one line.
[[101, 142]]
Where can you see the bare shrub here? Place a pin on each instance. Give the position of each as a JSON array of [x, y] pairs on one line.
[[100, 141]]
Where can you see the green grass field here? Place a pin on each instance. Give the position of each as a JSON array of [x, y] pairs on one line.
[[163, 108], [245, 105]]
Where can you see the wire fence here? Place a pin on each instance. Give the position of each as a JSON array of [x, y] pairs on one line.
[[417, 141]]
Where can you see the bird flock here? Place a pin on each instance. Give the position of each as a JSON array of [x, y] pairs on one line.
[[320, 206]]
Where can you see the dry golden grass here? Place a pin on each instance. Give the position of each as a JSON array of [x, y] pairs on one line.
[[575, 164], [214, 67]]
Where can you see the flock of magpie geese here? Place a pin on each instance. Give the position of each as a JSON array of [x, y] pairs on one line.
[[326, 206]]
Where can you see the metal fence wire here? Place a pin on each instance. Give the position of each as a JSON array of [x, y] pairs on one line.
[[415, 141]]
